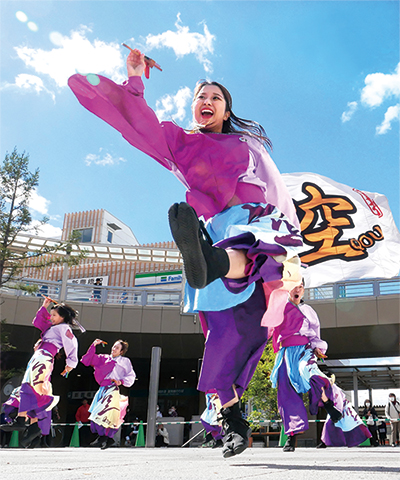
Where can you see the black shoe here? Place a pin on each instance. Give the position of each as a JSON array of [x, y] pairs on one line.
[[97, 442], [332, 411], [218, 443], [203, 263], [290, 444], [32, 432], [321, 445], [17, 424], [207, 439], [107, 442], [237, 431], [36, 442]]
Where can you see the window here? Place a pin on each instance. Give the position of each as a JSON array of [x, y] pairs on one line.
[[109, 236], [85, 235]]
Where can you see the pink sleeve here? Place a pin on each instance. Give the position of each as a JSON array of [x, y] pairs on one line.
[[42, 319], [91, 359], [124, 108]]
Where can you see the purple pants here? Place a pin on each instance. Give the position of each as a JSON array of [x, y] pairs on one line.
[[234, 345], [290, 403]]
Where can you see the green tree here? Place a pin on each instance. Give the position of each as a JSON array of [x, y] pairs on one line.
[[260, 395], [17, 185]]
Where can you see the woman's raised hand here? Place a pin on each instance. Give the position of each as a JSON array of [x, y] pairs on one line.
[[135, 63], [46, 302], [98, 341]]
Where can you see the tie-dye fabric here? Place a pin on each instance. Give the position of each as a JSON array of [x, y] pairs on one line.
[[36, 392], [107, 410]]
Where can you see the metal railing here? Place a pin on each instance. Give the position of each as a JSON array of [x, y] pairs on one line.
[[146, 296], [99, 294], [354, 289]]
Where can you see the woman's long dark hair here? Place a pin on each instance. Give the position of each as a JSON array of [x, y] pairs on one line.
[[235, 124], [69, 315], [66, 312]]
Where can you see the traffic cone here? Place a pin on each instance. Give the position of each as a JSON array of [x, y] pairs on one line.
[[14, 440], [140, 442], [282, 437], [75, 437]]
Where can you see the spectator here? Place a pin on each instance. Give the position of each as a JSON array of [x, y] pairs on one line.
[[162, 437], [158, 414], [172, 412], [382, 432], [371, 416], [392, 411], [82, 414], [97, 291], [130, 439]]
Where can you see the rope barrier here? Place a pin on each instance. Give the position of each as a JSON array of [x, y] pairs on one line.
[[193, 422]]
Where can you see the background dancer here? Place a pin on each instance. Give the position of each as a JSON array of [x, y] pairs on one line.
[[36, 395], [298, 343], [252, 234], [108, 407]]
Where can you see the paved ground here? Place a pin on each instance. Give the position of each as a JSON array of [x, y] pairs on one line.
[[381, 463]]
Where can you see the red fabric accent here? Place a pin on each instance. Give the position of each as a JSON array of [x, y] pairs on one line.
[[69, 334]]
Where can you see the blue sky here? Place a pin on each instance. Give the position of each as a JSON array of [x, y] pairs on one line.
[[322, 77]]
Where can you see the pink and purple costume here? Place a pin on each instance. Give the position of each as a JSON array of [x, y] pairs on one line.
[[234, 185], [108, 408], [296, 372], [36, 394]]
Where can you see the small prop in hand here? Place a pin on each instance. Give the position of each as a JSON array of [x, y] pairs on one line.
[[65, 373], [150, 63], [51, 300]]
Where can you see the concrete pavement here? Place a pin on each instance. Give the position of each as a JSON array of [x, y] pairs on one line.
[[361, 463]]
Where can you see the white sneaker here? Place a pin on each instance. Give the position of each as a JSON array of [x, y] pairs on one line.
[[56, 399]]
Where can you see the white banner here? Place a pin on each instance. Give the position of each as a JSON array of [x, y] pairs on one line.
[[348, 233]]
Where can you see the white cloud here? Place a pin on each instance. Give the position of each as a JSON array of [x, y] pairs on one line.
[[173, 106], [74, 53], [380, 87], [392, 113], [46, 230], [38, 203], [29, 83], [103, 160], [352, 107], [183, 42]]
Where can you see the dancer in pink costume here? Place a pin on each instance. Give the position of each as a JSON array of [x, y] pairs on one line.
[[250, 238], [108, 407], [36, 395], [298, 343]]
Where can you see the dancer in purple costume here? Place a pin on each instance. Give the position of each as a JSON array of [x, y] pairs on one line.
[[251, 236], [298, 343], [36, 396], [108, 407]]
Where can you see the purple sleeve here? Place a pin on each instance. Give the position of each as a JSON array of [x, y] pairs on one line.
[[124, 108], [91, 359], [311, 328], [42, 319], [130, 375], [70, 344]]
